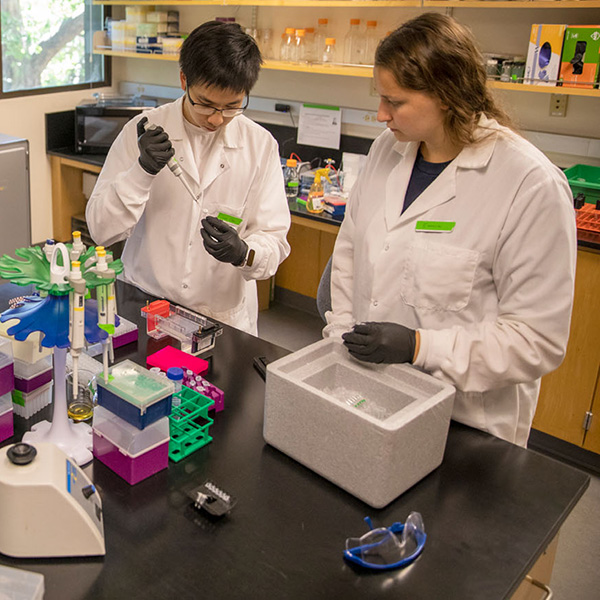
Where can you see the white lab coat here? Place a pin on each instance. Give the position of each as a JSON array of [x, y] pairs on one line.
[[164, 254], [492, 299]]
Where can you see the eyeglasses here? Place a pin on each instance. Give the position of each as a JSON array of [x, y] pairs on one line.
[[204, 109], [388, 547]]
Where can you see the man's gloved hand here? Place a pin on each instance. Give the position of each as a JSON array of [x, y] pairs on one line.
[[223, 242], [155, 147], [381, 342]]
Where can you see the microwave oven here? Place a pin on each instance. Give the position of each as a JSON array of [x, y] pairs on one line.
[[97, 126]]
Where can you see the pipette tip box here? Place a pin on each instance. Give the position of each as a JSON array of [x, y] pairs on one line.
[[26, 404], [6, 417], [135, 394], [31, 376], [133, 454], [373, 430]]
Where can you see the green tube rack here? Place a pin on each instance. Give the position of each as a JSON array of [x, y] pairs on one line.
[[189, 424]]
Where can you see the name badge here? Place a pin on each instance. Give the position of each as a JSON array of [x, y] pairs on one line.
[[229, 219], [435, 226]]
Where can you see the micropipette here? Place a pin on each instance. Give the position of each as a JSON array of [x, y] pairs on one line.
[[102, 299], [78, 247], [77, 320], [176, 169]]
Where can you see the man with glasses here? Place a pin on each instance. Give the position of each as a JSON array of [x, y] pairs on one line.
[[203, 241]]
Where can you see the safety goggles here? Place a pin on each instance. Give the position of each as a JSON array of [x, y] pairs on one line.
[[388, 547]]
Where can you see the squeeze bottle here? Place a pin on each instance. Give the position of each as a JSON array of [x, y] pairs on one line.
[[314, 204], [290, 178]]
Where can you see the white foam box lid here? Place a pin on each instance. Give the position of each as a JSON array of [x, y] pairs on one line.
[[18, 584], [128, 438], [375, 458]]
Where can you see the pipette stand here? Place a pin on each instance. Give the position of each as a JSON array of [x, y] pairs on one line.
[[52, 315], [74, 439]]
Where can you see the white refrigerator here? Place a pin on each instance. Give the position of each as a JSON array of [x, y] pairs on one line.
[[15, 222]]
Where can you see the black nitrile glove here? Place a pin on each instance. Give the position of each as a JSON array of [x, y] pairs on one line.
[[155, 147], [223, 242], [381, 342]]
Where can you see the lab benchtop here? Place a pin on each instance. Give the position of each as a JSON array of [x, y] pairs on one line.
[[586, 239], [489, 510]]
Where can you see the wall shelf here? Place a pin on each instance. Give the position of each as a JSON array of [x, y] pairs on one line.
[[274, 3], [360, 71], [366, 3], [512, 3], [544, 89]]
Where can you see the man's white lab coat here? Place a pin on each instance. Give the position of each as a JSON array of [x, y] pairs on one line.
[[164, 254], [492, 298]]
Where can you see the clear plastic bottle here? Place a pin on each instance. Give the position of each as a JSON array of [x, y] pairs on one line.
[[309, 45], [175, 374], [328, 54], [354, 44], [298, 52], [372, 41], [287, 43], [266, 43], [321, 34], [291, 180]]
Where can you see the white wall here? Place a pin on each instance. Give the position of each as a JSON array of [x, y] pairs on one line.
[[25, 118]]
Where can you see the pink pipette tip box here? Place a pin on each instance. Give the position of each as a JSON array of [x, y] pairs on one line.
[[172, 357]]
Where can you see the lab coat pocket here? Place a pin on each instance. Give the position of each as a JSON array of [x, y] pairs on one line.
[[438, 276]]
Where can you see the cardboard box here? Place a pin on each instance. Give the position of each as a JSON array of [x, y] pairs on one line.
[[544, 54], [581, 56], [373, 430]]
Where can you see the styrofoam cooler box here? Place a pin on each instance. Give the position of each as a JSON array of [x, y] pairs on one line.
[[133, 454], [373, 430], [31, 376], [27, 404], [6, 417], [7, 378], [135, 394], [18, 584]]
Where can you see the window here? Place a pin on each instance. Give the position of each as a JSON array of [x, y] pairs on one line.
[[46, 46]]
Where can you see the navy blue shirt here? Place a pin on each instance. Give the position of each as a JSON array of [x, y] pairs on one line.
[[423, 174]]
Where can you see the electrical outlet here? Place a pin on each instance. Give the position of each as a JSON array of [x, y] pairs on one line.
[[558, 105]]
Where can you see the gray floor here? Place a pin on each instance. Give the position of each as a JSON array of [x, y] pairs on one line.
[[576, 573]]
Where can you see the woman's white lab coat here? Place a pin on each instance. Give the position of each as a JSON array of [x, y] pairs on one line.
[[164, 254], [491, 298]]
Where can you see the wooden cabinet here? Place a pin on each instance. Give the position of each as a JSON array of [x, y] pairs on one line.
[[311, 246], [571, 392]]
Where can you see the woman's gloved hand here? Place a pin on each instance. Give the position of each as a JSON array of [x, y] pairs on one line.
[[223, 241], [381, 342], [155, 147]]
